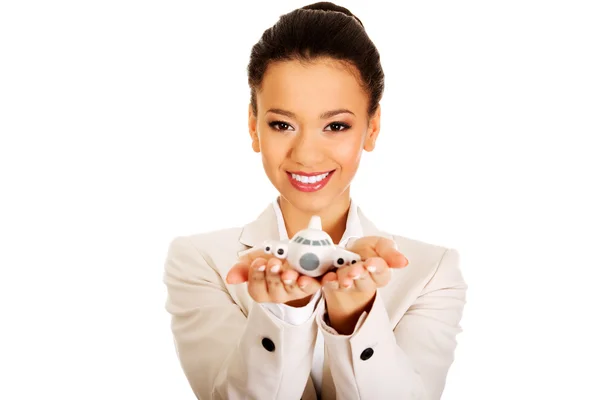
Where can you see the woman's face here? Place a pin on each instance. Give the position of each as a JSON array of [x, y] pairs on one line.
[[311, 128]]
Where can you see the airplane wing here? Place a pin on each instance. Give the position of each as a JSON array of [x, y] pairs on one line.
[[277, 248], [342, 257]]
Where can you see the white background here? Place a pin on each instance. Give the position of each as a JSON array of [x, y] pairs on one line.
[[123, 125]]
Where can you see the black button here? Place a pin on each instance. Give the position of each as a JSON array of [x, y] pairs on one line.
[[366, 354], [268, 344]]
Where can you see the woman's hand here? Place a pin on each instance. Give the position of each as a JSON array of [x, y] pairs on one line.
[[271, 280], [350, 290]]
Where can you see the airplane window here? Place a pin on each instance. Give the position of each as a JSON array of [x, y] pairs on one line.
[[327, 240], [306, 241], [298, 239], [316, 243], [324, 243]]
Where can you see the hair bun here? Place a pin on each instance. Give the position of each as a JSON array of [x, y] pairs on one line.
[[328, 6]]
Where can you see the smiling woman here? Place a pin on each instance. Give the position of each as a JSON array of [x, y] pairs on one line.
[[246, 324], [311, 125]]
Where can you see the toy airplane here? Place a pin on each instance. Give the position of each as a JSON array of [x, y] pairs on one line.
[[311, 251]]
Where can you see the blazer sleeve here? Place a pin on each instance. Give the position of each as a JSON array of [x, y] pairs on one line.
[[293, 315], [410, 360], [223, 353]]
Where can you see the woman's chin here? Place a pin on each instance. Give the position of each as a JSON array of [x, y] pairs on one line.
[[312, 203]]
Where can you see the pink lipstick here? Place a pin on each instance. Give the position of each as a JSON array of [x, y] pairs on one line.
[[309, 181]]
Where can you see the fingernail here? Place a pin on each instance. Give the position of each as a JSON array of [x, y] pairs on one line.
[[262, 268], [354, 277], [288, 281], [302, 286], [275, 268], [372, 268]]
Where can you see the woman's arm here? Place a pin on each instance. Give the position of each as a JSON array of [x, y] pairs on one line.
[[411, 360], [224, 354]]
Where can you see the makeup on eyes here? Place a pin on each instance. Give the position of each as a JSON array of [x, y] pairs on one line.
[[344, 126]]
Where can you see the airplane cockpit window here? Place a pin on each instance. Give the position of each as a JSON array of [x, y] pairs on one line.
[[302, 240]]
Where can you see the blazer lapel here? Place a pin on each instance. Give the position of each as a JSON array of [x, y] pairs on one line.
[[369, 228], [256, 232]]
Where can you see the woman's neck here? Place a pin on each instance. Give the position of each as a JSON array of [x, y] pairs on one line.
[[333, 218]]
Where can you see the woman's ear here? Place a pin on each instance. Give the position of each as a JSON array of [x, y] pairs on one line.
[[252, 124], [373, 130]]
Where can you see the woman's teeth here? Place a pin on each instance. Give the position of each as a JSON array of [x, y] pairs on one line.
[[310, 179]]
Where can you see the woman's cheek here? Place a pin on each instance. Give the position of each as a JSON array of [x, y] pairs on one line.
[[348, 153]]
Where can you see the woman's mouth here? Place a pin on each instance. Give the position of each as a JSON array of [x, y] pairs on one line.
[[309, 182]]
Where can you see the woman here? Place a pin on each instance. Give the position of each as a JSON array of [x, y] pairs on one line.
[[245, 324]]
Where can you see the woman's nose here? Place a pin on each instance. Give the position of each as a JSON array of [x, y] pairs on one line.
[[307, 149]]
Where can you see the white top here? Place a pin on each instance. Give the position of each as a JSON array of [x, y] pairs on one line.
[[299, 315]]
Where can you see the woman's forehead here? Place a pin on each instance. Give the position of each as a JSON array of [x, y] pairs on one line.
[[315, 85]]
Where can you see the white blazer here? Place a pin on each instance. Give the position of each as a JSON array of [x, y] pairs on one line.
[[231, 348]]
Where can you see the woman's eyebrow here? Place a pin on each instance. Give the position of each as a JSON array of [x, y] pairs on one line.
[[325, 115]]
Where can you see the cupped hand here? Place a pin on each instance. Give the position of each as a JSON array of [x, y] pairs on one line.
[[380, 256], [349, 291], [272, 280]]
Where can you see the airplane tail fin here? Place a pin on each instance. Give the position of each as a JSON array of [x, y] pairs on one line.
[[315, 223]]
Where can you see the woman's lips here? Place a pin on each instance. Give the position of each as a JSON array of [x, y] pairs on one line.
[[309, 182]]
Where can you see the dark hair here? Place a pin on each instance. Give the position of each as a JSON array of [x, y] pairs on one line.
[[318, 30]]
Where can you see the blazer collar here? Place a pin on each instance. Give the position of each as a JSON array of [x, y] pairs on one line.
[[265, 228]]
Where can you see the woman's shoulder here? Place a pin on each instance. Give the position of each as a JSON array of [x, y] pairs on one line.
[[220, 249], [216, 248], [420, 250], [429, 265]]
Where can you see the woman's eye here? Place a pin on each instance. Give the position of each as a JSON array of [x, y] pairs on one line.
[[337, 127], [279, 125], [284, 126]]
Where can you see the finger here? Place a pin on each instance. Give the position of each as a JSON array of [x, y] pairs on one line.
[[363, 282], [289, 278], [257, 283], [259, 265], [364, 248], [248, 258], [238, 273], [378, 270], [308, 285], [297, 286], [386, 249], [274, 266], [329, 281], [275, 288], [376, 246], [355, 271], [361, 278], [345, 281]]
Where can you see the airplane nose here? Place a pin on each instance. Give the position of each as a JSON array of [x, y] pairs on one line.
[[309, 261]]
